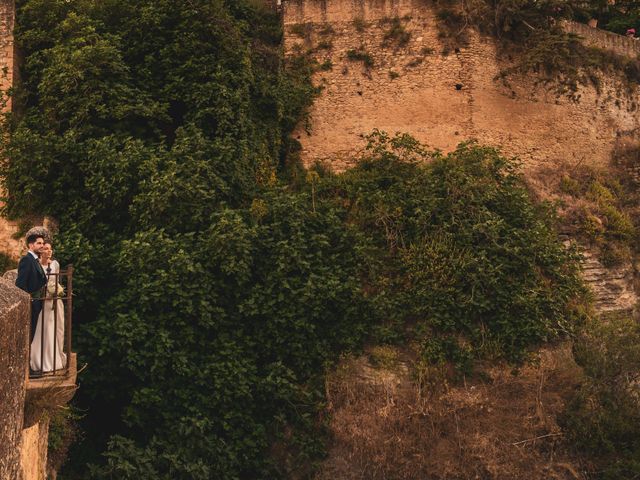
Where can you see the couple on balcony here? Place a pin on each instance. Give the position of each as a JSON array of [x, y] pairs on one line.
[[37, 275]]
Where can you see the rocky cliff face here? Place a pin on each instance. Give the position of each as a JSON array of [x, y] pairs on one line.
[[613, 288]]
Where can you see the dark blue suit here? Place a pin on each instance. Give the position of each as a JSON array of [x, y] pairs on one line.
[[31, 279]]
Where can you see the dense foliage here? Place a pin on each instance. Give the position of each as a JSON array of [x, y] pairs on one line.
[[615, 16], [142, 125], [462, 254], [603, 418], [210, 292]]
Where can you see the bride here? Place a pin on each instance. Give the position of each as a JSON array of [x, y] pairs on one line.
[[50, 319]]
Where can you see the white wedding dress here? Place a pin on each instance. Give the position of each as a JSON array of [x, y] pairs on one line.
[[53, 331]]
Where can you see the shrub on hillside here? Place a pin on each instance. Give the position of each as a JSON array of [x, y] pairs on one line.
[[603, 418], [462, 252], [602, 213]]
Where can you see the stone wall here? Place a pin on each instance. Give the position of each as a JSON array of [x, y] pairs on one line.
[[35, 441], [442, 99], [613, 288], [7, 14], [627, 157], [25, 404], [14, 339], [594, 37], [8, 244]]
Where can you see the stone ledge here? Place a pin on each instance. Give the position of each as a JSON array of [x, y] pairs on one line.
[[49, 392]]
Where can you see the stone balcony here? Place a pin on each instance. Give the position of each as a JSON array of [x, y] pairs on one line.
[[52, 389], [24, 401], [49, 392]]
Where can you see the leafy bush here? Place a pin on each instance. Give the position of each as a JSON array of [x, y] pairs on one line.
[[213, 365], [603, 218], [616, 17], [452, 233], [383, 356]]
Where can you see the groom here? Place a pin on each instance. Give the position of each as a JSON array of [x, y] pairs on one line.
[[31, 277]]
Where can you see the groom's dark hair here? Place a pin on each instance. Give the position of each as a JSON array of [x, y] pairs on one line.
[[33, 237]]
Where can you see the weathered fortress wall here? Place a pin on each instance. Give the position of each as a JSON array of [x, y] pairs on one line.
[[23, 435], [440, 99]]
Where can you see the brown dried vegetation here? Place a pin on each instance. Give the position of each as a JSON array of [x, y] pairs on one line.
[[389, 423], [598, 207]]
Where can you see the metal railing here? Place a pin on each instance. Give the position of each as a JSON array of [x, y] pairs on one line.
[[50, 348]]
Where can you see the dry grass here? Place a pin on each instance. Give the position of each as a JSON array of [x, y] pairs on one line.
[[502, 426], [581, 210]]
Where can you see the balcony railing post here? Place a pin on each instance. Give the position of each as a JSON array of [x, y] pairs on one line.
[[68, 312], [43, 294], [55, 320]]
